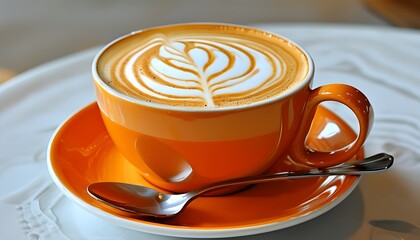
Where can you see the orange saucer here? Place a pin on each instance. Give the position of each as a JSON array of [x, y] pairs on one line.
[[81, 152]]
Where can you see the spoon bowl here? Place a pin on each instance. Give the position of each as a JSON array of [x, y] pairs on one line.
[[144, 201]]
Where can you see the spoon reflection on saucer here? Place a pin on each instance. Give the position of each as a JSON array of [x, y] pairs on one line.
[[144, 201]]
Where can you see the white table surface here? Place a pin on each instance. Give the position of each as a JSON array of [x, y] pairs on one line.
[[382, 62]]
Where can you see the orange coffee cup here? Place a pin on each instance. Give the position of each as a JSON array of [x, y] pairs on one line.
[[183, 147]]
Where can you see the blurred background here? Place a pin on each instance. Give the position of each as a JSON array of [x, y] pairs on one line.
[[33, 32]]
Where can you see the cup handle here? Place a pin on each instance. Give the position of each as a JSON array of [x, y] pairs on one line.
[[353, 99]]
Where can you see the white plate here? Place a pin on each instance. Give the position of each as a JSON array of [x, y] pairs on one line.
[[382, 62]]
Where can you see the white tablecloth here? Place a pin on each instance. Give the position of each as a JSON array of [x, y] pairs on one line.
[[381, 62]]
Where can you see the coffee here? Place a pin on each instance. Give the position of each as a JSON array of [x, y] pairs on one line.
[[202, 65], [191, 134]]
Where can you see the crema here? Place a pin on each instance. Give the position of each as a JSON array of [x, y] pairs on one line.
[[202, 65]]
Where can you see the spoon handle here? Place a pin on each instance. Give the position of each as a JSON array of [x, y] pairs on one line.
[[376, 163]]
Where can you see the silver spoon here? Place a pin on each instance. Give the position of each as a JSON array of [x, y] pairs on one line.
[[144, 201]]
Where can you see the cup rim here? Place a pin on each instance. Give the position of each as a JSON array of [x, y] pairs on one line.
[[291, 91]]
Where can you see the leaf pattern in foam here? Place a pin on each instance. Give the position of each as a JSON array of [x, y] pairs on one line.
[[203, 69]]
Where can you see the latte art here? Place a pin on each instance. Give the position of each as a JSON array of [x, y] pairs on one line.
[[199, 71], [203, 68]]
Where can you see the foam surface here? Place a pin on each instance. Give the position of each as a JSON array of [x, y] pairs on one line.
[[202, 65]]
